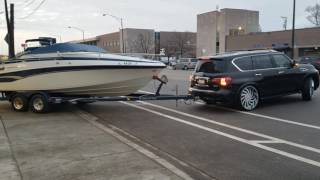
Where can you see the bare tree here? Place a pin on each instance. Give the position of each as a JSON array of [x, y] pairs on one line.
[[144, 43], [181, 44], [314, 14]]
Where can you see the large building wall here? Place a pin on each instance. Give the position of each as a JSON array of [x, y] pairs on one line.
[[213, 28], [207, 33], [110, 42], [237, 20]]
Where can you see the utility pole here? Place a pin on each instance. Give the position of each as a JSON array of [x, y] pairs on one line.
[[293, 28], [120, 19], [10, 27], [285, 22]]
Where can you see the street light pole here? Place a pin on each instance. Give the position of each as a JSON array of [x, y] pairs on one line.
[[58, 36], [122, 33], [293, 28], [79, 29]]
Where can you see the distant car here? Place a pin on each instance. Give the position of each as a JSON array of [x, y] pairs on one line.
[[246, 78], [314, 60], [185, 63]]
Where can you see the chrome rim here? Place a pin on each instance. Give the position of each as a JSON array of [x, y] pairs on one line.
[[18, 103], [249, 98], [38, 104], [311, 87]]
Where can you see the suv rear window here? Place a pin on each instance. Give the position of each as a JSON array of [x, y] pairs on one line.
[[244, 63], [212, 66]]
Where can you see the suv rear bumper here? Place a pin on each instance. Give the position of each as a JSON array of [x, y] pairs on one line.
[[222, 95]]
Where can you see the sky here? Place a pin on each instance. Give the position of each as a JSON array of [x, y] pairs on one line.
[[54, 16]]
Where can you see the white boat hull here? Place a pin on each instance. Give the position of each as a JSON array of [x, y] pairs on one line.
[[79, 77], [91, 82]]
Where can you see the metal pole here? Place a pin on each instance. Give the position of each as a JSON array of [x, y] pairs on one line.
[[293, 28], [12, 49], [81, 30], [122, 30], [122, 34]]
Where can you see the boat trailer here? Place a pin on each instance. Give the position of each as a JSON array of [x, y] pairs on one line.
[[40, 101]]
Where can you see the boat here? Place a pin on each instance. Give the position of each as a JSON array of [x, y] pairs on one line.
[[75, 70]]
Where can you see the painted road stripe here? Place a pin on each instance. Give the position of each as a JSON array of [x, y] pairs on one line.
[[266, 142], [257, 115], [283, 153], [93, 120], [271, 118], [278, 140]]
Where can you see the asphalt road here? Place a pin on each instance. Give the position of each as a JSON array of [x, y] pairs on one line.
[[278, 141]]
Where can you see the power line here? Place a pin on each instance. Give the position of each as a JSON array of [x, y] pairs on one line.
[[35, 10], [29, 3]]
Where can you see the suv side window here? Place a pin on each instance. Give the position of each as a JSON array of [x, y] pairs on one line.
[[281, 61], [244, 63], [262, 62]]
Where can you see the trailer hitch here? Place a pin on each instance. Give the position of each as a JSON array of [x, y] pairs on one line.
[[163, 81]]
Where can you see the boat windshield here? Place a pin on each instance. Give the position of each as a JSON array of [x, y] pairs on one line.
[[66, 47]]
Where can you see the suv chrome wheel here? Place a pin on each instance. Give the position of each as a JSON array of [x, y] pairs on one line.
[[311, 88], [249, 98], [308, 89]]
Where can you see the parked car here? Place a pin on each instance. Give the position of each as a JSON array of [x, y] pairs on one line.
[[246, 78], [314, 60], [185, 63]]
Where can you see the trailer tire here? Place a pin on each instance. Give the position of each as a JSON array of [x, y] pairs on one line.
[[39, 103], [19, 103]]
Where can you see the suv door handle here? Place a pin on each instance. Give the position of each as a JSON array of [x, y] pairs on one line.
[[258, 74], [281, 72]]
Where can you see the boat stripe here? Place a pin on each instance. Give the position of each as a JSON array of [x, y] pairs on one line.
[[74, 59], [32, 72]]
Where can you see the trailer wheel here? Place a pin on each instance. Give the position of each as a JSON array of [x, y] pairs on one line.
[[39, 104], [19, 103]]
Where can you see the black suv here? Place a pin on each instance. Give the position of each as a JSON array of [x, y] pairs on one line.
[[246, 78]]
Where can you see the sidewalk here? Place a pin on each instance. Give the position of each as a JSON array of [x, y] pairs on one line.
[[62, 145]]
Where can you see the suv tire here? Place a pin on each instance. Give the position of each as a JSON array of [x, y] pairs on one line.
[[308, 89], [248, 98]]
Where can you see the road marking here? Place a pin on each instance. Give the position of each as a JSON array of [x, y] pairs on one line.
[[266, 142], [258, 115], [93, 120], [283, 153], [272, 118], [278, 140]]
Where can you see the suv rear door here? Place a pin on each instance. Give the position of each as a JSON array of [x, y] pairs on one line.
[[266, 75]]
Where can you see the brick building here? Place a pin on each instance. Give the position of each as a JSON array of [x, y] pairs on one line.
[[307, 41]]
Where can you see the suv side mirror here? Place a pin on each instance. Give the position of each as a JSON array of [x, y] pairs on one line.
[[294, 63]]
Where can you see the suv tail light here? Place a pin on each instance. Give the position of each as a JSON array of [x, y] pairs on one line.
[[222, 81], [318, 61]]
